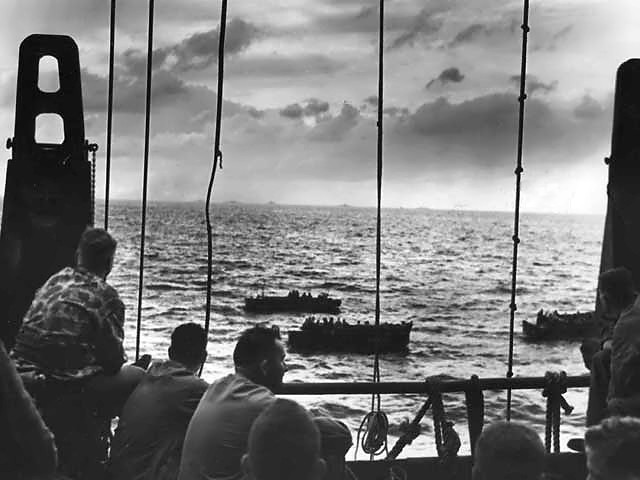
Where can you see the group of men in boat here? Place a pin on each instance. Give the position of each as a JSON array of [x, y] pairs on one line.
[[173, 425]]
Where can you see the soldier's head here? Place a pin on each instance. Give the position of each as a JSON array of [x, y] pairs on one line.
[[616, 290], [335, 441], [284, 444], [189, 345], [612, 449], [95, 251], [259, 355], [508, 451]]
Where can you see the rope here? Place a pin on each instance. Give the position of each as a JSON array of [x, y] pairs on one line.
[[107, 184], [556, 386], [145, 175], [377, 425], [372, 433], [518, 172], [447, 440], [411, 431], [217, 157]]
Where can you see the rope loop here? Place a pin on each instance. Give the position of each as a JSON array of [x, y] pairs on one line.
[[372, 433]]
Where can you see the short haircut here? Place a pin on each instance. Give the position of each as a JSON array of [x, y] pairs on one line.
[[613, 447], [617, 285], [284, 443], [509, 451], [188, 342], [254, 345], [96, 248]]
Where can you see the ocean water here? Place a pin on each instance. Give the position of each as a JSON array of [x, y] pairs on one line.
[[447, 271]]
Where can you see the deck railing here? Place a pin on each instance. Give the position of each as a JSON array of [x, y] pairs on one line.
[[552, 385]]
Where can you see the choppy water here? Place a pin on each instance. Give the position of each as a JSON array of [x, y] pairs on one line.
[[447, 271]]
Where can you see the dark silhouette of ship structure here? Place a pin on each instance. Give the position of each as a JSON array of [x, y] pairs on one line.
[[337, 335], [293, 302]]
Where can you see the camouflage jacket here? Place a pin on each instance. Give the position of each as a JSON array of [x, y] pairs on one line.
[[73, 329]]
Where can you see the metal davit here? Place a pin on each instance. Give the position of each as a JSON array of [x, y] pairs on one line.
[[48, 198]]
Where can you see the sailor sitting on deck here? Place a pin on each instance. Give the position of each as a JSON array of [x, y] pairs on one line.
[[336, 440], [284, 444], [612, 449], [72, 336], [148, 441], [618, 299], [27, 446], [217, 435]]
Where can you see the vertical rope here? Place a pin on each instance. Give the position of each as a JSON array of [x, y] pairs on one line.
[[112, 42], [518, 172], [374, 441], [217, 156], [376, 364], [145, 175]]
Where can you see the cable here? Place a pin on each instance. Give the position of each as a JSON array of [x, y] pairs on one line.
[[145, 179], [107, 183], [518, 172], [217, 156]]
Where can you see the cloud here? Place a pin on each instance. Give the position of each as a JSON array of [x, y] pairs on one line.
[[333, 129], [316, 107], [196, 52], [292, 111], [533, 84], [312, 108], [550, 43], [469, 34], [425, 23], [448, 75], [588, 108], [281, 65]]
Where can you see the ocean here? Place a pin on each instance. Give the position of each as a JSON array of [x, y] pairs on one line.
[[446, 271]]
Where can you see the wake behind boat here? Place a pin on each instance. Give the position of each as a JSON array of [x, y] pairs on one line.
[[293, 302], [337, 335]]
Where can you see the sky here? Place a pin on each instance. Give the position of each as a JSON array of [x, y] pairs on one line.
[[300, 98]]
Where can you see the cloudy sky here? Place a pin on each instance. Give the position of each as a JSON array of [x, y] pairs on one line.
[[300, 97]]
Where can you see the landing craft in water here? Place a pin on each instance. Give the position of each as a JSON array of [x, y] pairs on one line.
[[562, 326], [293, 302], [337, 335]]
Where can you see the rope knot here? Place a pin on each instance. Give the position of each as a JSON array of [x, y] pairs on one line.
[[219, 157], [555, 384], [555, 387]]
